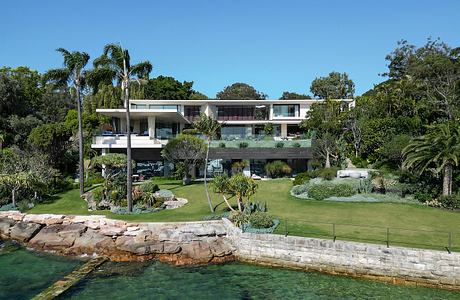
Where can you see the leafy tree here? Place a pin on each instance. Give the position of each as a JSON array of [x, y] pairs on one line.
[[439, 149], [293, 96], [20, 128], [335, 86], [53, 139], [107, 96], [164, 87], [329, 149], [54, 104], [115, 64], [11, 100], [238, 186], [392, 151], [324, 117], [73, 72], [241, 91], [209, 127], [185, 150], [220, 185], [198, 96]]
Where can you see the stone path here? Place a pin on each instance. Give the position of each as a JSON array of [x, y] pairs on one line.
[[60, 286]]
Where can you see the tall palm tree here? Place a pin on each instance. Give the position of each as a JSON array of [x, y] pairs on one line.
[[209, 127], [439, 148], [115, 64], [73, 72]]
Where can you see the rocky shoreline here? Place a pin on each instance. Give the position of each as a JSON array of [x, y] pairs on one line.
[[177, 243]]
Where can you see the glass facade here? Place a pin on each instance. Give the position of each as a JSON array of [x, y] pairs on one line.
[[286, 110], [166, 131], [235, 132]]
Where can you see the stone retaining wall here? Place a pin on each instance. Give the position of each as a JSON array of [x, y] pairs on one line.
[[220, 241], [395, 264], [179, 243]]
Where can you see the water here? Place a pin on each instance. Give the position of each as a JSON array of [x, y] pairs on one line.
[[24, 274]]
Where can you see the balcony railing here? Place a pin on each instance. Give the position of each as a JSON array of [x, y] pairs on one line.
[[119, 141], [261, 143]]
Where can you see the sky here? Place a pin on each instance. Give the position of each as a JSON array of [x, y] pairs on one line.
[[275, 46]]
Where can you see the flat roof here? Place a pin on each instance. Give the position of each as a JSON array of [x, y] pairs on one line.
[[217, 101]]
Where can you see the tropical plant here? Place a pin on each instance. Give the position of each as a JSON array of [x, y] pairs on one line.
[[238, 186], [277, 169], [209, 127], [438, 149], [73, 72], [115, 63]]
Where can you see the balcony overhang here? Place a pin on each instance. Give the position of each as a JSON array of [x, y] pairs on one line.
[[170, 115]]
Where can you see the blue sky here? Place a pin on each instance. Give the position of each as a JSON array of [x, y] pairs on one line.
[[273, 45]]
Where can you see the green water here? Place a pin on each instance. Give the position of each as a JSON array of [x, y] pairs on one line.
[[23, 274]]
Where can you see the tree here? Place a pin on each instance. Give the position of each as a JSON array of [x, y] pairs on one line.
[[335, 86], [328, 148], [198, 96], [439, 149], [293, 96], [53, 139], [392, 151], [240, 91], [164, 87], [74, 73], [238, 186], [185, 150], [115, 63], [209, 127]]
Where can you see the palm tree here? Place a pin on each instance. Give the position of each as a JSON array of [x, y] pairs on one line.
[[114, 64], [209, 127], [73, 72], [439, 148]]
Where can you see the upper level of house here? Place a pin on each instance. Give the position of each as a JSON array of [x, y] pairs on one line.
[[153, 122]]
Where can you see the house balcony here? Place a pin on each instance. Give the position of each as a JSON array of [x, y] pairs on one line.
[[118, 141], [261, 142]]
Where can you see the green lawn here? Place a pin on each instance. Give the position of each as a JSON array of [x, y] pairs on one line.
[[304, 217]]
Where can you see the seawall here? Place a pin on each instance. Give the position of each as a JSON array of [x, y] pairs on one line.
[[220, 241]]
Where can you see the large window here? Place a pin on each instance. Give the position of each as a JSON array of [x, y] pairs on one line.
[[192, 112], [235, 112], [286, 110], [235, 132], [166, 131]]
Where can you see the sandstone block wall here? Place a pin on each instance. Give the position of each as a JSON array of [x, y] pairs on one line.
[[179, 243], [394, 264]]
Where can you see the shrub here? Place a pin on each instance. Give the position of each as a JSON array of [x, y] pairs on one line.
[[296, 145], [150, 187], [325, 190], [8, 207], [243, 145], [97, 195], [328, 173], [251, 207], [450, 202], [136, 210], [423, 197], [216, 216], [301, 178], [300, 189], [279, 145], [277, 169], [166, 194], [239, 218], [365, 186], [260, 220], [222, 145]]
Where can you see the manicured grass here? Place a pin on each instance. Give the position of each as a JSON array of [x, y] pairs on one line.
[[304, 217]]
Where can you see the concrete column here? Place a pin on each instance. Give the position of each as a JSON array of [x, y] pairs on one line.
[[151, 124], [271, 112], [283, 130]]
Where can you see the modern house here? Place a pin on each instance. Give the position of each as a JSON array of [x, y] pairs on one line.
[[254, 131]]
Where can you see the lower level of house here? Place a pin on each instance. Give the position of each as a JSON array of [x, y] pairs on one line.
[[251, 161]]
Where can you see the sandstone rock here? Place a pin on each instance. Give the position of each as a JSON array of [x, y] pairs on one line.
[[197, 251], [58, 236], [5, 225], [23, 232], [91, 242], [128, 244], [112, 230], [45, 219]]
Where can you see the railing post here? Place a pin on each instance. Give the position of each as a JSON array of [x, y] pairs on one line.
[[449, 247], [388, 237], [333, 231], [285, 227]]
